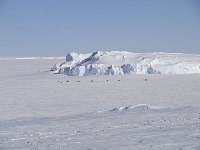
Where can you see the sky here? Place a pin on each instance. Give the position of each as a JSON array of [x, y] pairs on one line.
[[57, 27]]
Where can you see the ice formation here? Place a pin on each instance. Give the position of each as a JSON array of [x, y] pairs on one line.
[[122, 62]]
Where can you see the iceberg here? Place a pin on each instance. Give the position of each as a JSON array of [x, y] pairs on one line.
[[123, 62]]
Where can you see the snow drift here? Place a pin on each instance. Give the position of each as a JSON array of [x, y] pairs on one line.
[[122, 62], [138, 107]]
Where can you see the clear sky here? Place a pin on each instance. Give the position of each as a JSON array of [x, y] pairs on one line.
[[56, 27]]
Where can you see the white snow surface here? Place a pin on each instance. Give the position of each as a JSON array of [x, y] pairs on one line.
[[122, 62], [41, 110]]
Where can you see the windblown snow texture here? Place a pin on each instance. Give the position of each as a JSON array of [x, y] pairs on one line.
[[39, 110], [122, 62]]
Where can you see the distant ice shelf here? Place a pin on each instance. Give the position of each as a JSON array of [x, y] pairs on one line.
[[31, 58], [123, 62]]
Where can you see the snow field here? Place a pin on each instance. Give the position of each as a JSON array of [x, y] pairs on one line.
[[41, 110]]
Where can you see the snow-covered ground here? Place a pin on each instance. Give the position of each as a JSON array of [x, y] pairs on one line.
[[41, 110], [122, 62]]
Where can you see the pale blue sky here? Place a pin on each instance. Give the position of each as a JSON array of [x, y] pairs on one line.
[[56, 27]]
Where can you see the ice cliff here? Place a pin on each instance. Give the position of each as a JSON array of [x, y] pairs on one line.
[[122, 62]]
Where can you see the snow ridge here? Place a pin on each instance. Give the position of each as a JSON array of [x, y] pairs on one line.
[[122, 62], [138, 107]]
